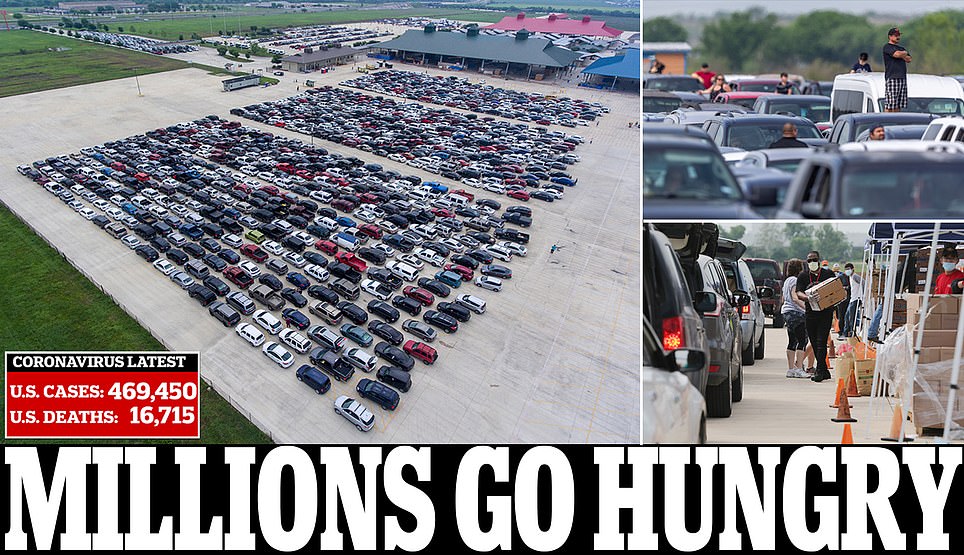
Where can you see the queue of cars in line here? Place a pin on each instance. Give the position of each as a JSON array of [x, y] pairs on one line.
[[703, 321], [162, 195], [704, 163], [455, 92]]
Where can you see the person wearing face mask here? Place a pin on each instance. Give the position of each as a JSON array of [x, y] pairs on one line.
[[856, 298], [818, 322], [841, 311], [949, 260]]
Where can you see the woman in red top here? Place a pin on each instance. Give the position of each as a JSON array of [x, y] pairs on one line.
[[949, 260]]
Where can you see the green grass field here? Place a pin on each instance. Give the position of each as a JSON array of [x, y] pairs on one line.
[[49, 305], [29, 62]]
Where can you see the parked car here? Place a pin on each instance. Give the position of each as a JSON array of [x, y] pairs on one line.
[[740, 281], [768, 273], [674, 411], [421, 351], [386, 332], [278, 354], [355, 412], [395, 356]]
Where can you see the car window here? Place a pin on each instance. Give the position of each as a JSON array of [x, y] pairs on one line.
[[931, 105], [903, 189], [687, 173], [817, 183]]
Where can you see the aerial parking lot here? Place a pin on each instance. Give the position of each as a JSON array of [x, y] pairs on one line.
[[553, 358]]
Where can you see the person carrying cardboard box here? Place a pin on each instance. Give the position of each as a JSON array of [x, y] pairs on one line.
[[818, 320]]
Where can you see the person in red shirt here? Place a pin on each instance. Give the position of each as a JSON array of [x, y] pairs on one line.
[[705, 75], [949, 260]]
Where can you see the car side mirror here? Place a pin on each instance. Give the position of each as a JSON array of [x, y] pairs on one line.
[[811, 210], [688, 360], [704, 301], [764, 292], [763, 197], [741, 299]]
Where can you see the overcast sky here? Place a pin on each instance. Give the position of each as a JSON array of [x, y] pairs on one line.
[[655, 8]]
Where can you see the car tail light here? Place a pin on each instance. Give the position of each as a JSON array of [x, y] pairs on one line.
[[745, 313], [714, 368], [674, 336]]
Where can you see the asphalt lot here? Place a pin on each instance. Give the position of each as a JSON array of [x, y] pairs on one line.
[[554, 359], [777, 409]]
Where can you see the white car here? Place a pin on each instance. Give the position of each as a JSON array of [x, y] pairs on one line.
[[430, 256], [250, 333], [278, 354], [232, 240], [87, 213], [306, 238], [377, 289], [499, 252], [268, 322], [553, 193], [294, 259], [284, 225], [360, 359], [131, 241], [489, 282], [514, 248], [366, 216], [272, 247], [164, 266], [176, 239], [182, 279], [673, 409], [295, 340], [453, 245], [472, 182], [389, 251], [412, 260], [101, 204], [494, 188], [250, 268], [317, 272], [355, 412], [471, 302]]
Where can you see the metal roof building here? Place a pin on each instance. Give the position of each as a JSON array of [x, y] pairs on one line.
[[518, 53], [625, 66], [316, 58], [556, 23]]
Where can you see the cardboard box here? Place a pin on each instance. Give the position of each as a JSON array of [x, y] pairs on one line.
[[948, 321], [937, 304], [936, 338], [900, 305], [929, 355], [899, 318], [826, 294]]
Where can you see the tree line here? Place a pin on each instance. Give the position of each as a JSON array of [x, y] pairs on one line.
[[818, 44], [782, 242]]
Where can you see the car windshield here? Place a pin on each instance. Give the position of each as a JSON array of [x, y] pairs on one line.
[[762, 270], [789, 166], [758, 136], [687, 173], [813, 110], [902, 190], [931, 105], [660, 104], [673, 84]]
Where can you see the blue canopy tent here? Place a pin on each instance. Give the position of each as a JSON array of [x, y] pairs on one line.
[[624, 66], [890, 240]]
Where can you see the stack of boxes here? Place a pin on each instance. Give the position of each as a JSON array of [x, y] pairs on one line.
[[931, 384]]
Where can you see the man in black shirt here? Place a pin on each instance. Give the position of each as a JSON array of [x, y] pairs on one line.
[[818, 321], [784, 86], [789, 139], [896, 59]]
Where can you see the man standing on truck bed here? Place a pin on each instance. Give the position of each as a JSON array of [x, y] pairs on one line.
[[896, 59], [818, 321]]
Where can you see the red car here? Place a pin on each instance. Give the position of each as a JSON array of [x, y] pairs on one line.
[[238, 276], [254, 252], [465, 272], [371, 230], [419, 294], [271, 190], [442, 213], [326, 246], [518, 194], [469, 196], [421, 351], [352, 261]]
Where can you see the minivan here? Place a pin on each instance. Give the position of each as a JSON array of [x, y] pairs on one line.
[[197, 269], [379, 393], [396, 377], [313, 378], [346, 289], [926, 94]]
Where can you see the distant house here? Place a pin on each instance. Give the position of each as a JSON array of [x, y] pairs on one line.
[[673, 54]]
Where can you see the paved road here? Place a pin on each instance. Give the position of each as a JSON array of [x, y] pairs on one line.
[[555, 359]]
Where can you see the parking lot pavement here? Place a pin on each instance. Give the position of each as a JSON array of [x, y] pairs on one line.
[[555, 358], [777, 409]]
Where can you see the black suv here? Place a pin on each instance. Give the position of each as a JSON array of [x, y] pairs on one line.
[[383, 309], [757, 131], [395, 356]]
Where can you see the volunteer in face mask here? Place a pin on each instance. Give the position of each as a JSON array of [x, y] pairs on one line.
[[818, 321], [856, 296], [949, 260], [841, 311]]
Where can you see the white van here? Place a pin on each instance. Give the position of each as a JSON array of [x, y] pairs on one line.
[[856, 93], [402, 270], [457, 201]]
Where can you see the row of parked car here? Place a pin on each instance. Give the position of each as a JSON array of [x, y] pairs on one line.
[[704, 320], [455, 92], [141, 44], [483, 153], [196, 223]]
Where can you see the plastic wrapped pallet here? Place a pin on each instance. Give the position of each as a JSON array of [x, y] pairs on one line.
[[931, 386], [894, 359]]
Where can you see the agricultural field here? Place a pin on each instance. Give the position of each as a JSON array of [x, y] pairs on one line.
[[33, 61]]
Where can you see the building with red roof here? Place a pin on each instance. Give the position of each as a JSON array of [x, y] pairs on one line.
[[556, 23]]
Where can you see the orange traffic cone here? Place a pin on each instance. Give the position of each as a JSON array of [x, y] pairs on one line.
[[895, 425], [843, 408], [848, 436], [836, 395], [852, 385]]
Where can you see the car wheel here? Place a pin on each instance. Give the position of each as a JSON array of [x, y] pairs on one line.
[[719, 400], [761, 348], [702, 437], [778, 320], [737, 386], [749, 354], [360, 429]]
